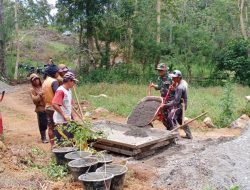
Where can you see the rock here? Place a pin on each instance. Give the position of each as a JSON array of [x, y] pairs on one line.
[[241, 122], [100, 95], [2, 147], [248, 98], [244, 117], [14, 160], [186, 119], [87, 114], [101, 110], [208, 122]]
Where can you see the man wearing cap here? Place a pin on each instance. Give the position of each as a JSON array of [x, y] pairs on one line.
[[36, 95], [62, 101], [62, 71], [164, 80], [175, 106], [49, 88]]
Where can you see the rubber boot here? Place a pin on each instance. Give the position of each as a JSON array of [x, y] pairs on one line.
[[188, 132], [43, 137]]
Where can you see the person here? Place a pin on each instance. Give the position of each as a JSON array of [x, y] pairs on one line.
[[49, 88], [62, 101], [62, 71], [50, 62], [164, 80], [36, 95], [175, 106]]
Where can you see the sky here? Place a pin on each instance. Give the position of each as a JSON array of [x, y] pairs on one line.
[[53, 2]]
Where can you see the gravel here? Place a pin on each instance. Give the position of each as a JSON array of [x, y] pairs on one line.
[[218, 164]]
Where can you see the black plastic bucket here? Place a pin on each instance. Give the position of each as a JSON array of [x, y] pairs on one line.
[[96, 180], [82, 165], [77, 155], [118, 171], [103, 159], [60, 153]]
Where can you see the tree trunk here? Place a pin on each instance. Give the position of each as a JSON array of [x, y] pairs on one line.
[[242, 23], [17, 42], [130, 42], [80, 44], [158, 11], [90, 27], [2, 42]]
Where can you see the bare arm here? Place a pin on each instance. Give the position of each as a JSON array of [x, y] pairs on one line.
[[59, 110]]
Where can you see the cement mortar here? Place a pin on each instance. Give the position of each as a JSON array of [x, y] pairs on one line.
[[217, 164], [116, 132], [136, 132], [143, 113]]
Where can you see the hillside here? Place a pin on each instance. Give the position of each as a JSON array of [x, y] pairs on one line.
[[38, 44]]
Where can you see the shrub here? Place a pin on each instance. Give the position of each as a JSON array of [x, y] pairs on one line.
[[235, 57]]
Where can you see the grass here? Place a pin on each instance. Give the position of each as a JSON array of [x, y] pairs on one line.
[[122, 98], [54, 171], [57, 46]]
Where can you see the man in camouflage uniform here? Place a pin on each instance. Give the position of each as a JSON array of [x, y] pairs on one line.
[[164, 80]]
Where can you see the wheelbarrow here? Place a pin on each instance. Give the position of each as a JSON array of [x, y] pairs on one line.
[[1, 121], [148, 110]]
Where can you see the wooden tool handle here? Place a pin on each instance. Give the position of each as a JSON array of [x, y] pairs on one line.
[[188, 122]]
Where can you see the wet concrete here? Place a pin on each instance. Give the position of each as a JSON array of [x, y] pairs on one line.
[[136, 132], [144, 112]]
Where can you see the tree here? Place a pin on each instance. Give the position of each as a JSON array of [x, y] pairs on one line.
[[17, 41], [242, 5], [2, 42]]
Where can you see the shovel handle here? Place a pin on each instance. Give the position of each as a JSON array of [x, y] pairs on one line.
[[3, 92], [188, 122]]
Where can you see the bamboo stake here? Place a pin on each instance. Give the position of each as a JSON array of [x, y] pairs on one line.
[[78, 101]]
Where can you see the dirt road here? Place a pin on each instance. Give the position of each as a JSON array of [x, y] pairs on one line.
[[187, 165]]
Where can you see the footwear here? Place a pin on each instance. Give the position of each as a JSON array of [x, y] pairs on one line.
[[44, 141], [43, 137], [188, 133]]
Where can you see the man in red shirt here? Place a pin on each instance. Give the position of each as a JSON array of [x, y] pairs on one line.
[[62, 101]]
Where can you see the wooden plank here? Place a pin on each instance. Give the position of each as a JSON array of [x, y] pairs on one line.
[[107, 141], [152, 150], [103, 141], [171, 136], [137, 153], [144, 154], [114, 149]]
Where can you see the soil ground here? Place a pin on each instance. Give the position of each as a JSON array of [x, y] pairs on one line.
[[169, 169]]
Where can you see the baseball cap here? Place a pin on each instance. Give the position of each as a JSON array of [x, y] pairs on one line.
[[69, 76], [176, 73]]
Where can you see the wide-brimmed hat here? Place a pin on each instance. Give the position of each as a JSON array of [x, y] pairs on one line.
[[33, 76], [62, 68], [161, 67]]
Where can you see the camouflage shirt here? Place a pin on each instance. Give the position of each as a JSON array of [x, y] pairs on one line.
[[163, 84]]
